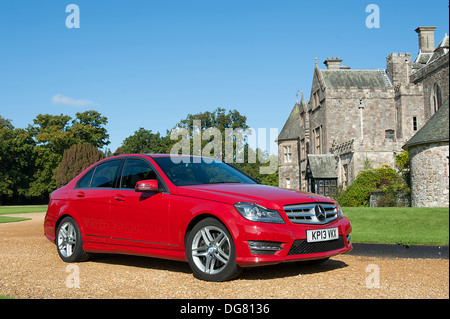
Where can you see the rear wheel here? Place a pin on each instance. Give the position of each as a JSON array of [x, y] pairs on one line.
[[210, 251], [69, 242]]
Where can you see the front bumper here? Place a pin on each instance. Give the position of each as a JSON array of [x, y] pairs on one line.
[[265, 244]]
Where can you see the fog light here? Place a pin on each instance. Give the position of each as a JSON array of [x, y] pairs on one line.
[[258, 247], [348, 239]]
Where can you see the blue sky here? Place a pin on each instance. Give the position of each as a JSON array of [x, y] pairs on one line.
[[150, 63]]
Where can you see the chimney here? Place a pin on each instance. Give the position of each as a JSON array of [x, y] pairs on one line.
[[426, 39], [333, 63]]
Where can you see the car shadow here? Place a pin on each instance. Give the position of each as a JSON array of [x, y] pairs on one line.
[[141, 262], [289, 269]]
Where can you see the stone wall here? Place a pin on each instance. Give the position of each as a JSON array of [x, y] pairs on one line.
[[343, 114], [402, 200], [409, 105], [429, 175], [398, 67]]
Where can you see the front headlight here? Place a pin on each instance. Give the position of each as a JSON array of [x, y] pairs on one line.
[[258, 213], [340, 213]]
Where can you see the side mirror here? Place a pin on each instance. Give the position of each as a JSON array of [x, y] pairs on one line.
[[149, 185]]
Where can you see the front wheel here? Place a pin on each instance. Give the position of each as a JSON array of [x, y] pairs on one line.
[[210, 251]]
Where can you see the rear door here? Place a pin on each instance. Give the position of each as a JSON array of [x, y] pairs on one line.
[[91, 199]]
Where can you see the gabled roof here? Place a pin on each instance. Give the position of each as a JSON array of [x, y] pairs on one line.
[[435, 130], [355, 78], [322, 166], [291, 129]]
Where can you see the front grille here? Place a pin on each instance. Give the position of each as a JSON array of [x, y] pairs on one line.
[[301, 246], [308, 213]]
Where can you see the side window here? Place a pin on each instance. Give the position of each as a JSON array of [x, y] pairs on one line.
[[105, 174], [85, 182], [135, 171]]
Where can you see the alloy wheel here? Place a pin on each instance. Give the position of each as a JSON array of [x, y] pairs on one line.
[[211, 249]]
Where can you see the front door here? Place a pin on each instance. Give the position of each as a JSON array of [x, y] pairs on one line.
[[139, 219]]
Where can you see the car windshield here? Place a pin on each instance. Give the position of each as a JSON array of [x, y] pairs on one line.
[[184, 171]]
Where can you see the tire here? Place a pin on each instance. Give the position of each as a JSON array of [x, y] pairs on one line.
[[210, 251], [69, 242]]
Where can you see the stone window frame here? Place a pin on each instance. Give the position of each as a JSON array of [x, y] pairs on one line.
[[318, 140], [288, 183], [287, 150], [435, 98]]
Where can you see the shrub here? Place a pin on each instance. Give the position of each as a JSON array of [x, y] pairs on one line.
[[75, 160], [367, 181]]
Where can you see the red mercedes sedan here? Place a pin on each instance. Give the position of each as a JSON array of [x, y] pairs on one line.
[[194, 209]]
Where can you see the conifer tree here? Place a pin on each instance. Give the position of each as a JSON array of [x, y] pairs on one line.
[[75, 160]]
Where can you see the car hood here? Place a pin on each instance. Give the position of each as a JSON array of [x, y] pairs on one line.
[[267, 196]]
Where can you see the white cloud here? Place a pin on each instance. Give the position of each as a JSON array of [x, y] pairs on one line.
[[60, 99]]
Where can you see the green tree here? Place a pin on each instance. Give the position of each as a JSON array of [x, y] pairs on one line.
[[53, 135], [144, 141], [88, 127], [52, 132], [221, 119], [16, 161], [75, 160]]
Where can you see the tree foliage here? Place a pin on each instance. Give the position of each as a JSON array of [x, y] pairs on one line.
[[16, 160], [56, 133], [144, 141], [75, 160], [243, 156], [29, 157], [219, 119]]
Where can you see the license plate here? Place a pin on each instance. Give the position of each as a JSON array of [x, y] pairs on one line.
[[322, 234]]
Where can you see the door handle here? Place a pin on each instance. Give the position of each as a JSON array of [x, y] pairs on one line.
[[119, 197], [80, 194]]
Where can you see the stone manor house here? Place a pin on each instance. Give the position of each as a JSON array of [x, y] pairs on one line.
[[363, 116]]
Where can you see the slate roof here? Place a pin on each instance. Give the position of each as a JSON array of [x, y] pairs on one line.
[[291, 129], [435, 130], [359, 78], [322, 166]]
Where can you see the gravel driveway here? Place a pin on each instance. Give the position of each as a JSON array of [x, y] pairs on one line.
[[30, 268]]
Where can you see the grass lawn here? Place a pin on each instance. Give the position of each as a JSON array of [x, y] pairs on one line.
[[398, 225], [8, 210]]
